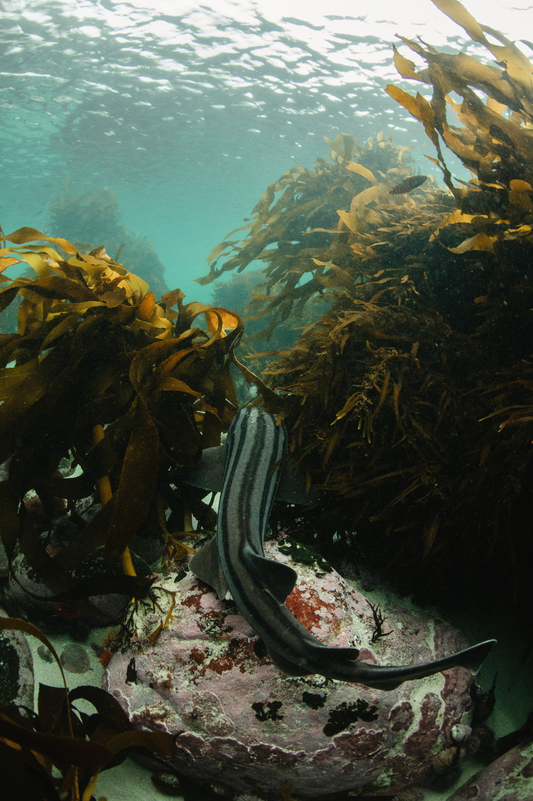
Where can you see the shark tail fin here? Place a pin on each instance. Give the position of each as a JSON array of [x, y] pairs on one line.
[[472, 658]]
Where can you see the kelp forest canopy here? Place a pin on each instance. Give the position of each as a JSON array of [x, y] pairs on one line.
[[410, 402]]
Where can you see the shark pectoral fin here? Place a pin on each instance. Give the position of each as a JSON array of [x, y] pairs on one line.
[[286, 666], [292, 485], [208, 473], [206, 565], [279, 579]]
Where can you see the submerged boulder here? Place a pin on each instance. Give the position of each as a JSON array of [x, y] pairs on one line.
[[16, 668], [508, 778], [197, 670]]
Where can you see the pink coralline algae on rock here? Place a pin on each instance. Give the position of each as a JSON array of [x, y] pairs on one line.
[[246, 727]]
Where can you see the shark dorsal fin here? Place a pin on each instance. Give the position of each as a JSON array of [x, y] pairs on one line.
[[286, 666], [275, 577]]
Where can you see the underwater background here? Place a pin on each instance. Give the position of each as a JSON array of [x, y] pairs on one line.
[[188, 111], [154, 131]]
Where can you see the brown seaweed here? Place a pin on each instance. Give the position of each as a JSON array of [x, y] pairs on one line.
[[59, 752], [95, 351]]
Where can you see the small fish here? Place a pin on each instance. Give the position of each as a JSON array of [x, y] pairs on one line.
[[234, 564], [408, 185]]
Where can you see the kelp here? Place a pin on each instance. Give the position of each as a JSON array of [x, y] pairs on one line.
[[496, 140], [308, 235], [94, 352], [59, 751], [95, 217], [410, 404]]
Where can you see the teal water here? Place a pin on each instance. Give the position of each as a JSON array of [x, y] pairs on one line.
[[188, 111]]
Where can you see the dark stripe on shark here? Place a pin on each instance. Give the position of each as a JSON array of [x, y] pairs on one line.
[[254, 446]]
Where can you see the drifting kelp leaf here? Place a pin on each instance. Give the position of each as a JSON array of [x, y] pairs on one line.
[[454, 217], [7, 297], [174, 385], [145, 360], [478, 242], [8, 261], [146, 307], [418, 107], [222, 246], [218, 320], [11, 377], [172, 298], [458, 13], [37, 263], [24, 235], [405, 67], [60, 750], [373, 193], [53, 286], [65, 325], [349, 219], [271, 398], [360, 170]]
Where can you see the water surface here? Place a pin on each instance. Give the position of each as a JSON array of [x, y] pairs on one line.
[[188, 111]]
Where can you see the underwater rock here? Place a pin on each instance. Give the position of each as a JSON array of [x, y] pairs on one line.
[[33, 595], [75, 658], [196, 669], [95, 571], [16, 673], [509, 777]]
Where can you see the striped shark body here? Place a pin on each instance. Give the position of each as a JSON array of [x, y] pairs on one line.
[[246, 471]]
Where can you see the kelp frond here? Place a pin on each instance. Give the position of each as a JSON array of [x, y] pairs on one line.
[[59, 752], [94, 351], [327, 223]]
